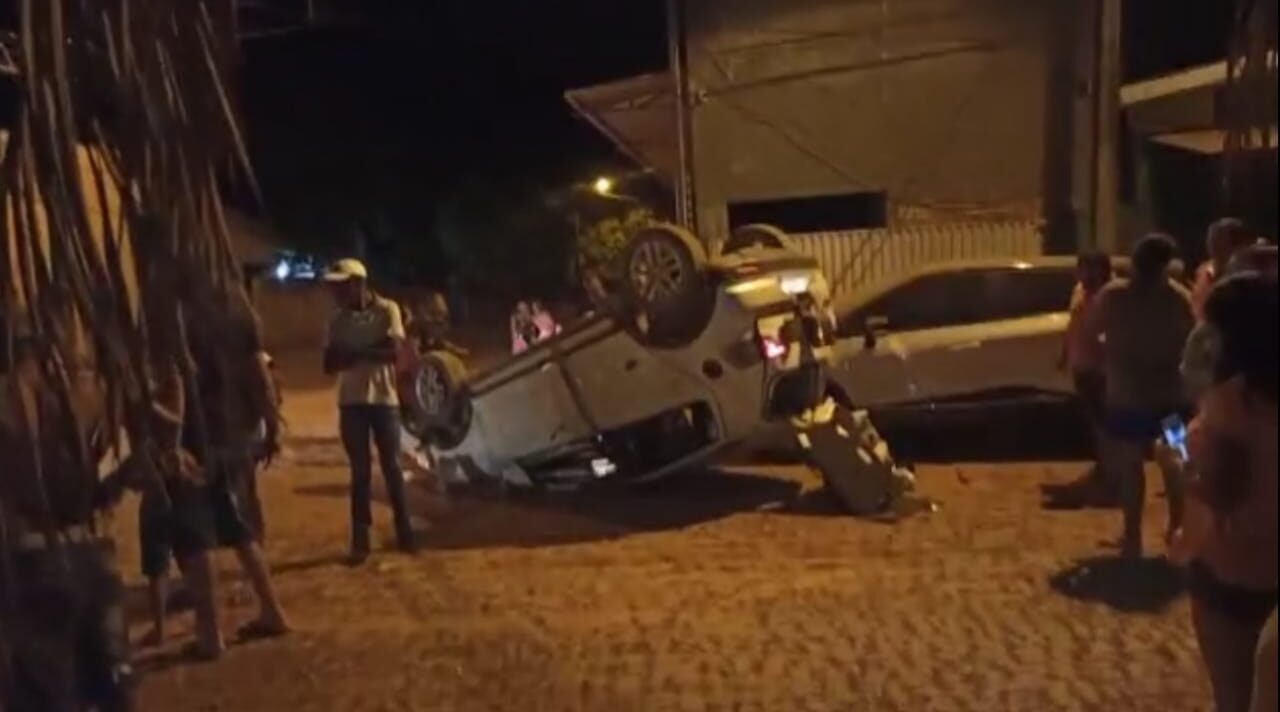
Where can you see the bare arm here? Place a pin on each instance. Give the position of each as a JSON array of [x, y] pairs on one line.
[[1093, 325]]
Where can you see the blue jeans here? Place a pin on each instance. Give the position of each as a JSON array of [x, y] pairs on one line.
[[358, 424]]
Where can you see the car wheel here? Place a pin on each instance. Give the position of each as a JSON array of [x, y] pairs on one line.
[[664, 269], [438, 407], [758, 235]]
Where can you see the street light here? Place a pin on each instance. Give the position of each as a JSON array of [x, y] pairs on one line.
[[603, 186]]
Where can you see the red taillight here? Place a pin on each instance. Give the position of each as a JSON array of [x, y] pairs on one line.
[[772, 348]]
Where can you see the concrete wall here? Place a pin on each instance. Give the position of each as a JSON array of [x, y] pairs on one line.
[[940, 103], [294, 315]]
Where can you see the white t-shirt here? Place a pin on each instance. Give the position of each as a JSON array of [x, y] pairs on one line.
[[367, 383]]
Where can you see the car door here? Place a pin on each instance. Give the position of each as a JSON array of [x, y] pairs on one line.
[[1006, 339], [881, 371], [939, 330]]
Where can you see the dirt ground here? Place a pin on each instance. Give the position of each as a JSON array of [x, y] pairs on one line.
[[734, 590]]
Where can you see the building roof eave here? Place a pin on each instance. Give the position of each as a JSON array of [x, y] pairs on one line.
[[637, 115]]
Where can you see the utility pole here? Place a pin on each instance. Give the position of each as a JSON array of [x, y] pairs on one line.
[[1105, 217], [686, 201]]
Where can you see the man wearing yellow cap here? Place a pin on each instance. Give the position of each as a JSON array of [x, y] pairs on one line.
[[365, 336]]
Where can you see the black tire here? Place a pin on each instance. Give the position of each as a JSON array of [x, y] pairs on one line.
[[665, 284], [758, 235], [438, 404], [836, 392]]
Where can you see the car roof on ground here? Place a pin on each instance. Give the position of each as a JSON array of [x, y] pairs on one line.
[[866, 292]]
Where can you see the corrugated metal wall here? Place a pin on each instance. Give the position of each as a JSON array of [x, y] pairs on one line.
[[856, 258]]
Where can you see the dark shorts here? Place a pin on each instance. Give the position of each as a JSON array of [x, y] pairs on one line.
[[1246, 606], [182, 528], [1140, 425], [197, 520]]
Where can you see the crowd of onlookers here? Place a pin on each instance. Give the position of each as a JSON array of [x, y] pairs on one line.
[[1188, 374]]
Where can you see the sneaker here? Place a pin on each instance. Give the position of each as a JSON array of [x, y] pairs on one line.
[[357, 557], [359, 547], [408, 544]]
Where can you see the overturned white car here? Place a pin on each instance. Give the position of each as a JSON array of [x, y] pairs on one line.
[[695, 356]]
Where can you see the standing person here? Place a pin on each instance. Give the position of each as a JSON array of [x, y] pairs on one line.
[[1143, 323], [543, 321], [1082, 357], [596, 293], [1231, 249], [236, 430], [365, 337], [432, 326], [1224, 238], [175, 521], [524, 333], [1230, 536]]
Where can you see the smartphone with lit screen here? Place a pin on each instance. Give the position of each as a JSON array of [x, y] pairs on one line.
[[1175, 434]]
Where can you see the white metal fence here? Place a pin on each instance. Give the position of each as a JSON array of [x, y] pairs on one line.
[[855, 258]]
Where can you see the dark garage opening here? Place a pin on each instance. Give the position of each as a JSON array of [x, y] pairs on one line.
[[848, 211]]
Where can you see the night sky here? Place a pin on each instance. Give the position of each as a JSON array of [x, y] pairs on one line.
[[365, 122], [372, 118]]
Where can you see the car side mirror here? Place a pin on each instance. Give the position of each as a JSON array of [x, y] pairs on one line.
[[873, 327]]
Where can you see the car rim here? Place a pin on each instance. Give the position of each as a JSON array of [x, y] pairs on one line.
[[657, 270], [432, 391]]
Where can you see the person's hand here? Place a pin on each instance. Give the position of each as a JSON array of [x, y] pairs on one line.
[[269, 448], [109, 491], [267, 442], [1169, 458], [1178, 548]]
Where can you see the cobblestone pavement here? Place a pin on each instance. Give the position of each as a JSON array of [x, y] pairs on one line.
[[722, 591]]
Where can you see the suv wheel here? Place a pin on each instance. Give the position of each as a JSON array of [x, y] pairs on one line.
[[664, 279], [437, 406]]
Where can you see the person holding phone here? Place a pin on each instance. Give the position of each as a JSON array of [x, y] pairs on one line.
[[1229, 539]]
